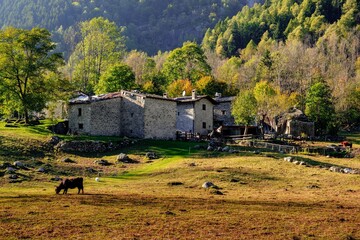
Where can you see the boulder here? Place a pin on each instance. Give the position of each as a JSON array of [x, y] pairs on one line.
[[151, 155], [18, 164], [335, 169], [207, 185], [288, 159], [68, 160], [226, 149], [54, 140], [41, 170], [102, 162]]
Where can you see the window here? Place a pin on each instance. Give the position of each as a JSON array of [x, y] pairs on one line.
[[132, 114], [79, 112], [178, 113], [204, 124], [81, 126], [204, 106], [223, 112]]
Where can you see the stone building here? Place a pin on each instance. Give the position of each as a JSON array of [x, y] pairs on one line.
[[195, 114], [222, 111], [124, 113]]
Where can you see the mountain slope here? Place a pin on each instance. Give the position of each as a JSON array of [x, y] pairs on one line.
[[151, 25]]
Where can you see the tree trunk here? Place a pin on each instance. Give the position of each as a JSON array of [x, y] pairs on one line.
[[246, 130]]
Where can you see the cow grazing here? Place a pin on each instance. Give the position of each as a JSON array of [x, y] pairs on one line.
[[70, 183]]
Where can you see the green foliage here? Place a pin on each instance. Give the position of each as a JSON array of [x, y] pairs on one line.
[[26, 59], [187, 62], [176, 88], [116, 78], [320, 109], [151, 25], [244, 109], [101, 45], [209, 86], [303, 20]]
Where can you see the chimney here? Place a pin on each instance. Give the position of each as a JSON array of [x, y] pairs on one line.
[[193, 94], [165, 95], [218, 95]]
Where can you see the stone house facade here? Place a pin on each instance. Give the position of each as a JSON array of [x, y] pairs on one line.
[[195, 114], [124, 113], [222, 111]]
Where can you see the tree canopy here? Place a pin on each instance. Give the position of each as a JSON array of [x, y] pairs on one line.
[[26, 58]]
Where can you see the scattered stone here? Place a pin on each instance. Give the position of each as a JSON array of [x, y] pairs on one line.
[[313, 186], [90, 170], [169, 213], [102, 162], [346, 170], [296, 162], [210, 148], [335, 169], [10, 170], [13, 176], [226, 149], [123, 158], [68, 160], [97, 179], [234, 180], [216, 192], [54, 140], [256, 152], [41, 170], [288, 159], [174, 183], [192, 164], [207, 185], [18, 164], [302, 163], [151, 155]]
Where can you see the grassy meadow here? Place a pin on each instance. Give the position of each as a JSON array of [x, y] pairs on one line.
[[259, 196]]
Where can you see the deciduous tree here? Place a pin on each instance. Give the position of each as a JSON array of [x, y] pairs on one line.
[[26, 57]]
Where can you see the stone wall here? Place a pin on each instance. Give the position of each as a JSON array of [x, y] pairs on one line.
[[106, 117], [160, 119], [222, 114], [297, 128], [185, 117], [132, 111], [77, 120], [203, 116]]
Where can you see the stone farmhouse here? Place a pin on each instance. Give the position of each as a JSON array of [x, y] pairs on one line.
[[123, 113], [139, 115], [195, 114]]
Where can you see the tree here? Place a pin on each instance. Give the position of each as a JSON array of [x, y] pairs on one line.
[[176, 88], [142, 65], [116, 78], [187, 62], [320, 109], [101, 44], [244, 109], [26, 58], [209, 86]]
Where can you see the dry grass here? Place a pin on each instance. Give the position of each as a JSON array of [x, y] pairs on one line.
[[263, 197], [271, 199]]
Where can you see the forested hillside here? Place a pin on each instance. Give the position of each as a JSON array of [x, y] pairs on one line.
[[307, 20], [150, 25]]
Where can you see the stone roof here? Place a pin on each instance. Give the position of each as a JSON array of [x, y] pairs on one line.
[[190, 99], [146, 95], [83, 98], [224, 99]]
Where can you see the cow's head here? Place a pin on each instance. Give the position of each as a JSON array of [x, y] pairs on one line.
[[57, 189]]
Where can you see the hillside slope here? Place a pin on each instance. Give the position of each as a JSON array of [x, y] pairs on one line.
[[151, 25]]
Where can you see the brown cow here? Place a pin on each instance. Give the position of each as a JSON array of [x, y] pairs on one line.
[[70, 183]]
